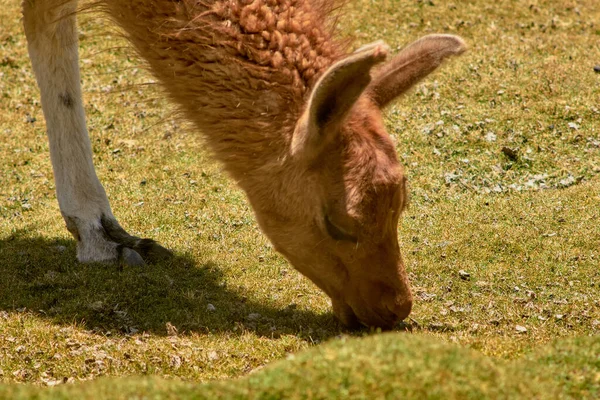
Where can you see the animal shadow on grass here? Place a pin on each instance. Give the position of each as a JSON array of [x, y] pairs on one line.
[[41, 276]]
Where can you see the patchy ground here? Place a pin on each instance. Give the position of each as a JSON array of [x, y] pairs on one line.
[[502, 150]]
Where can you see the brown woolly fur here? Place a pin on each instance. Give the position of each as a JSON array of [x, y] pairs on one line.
[[239, 69], [297, 123], [295, 120]]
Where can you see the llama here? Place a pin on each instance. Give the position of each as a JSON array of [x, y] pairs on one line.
[[293, 117]]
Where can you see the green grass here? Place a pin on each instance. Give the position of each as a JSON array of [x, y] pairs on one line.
[[382, 366], [525, 229]]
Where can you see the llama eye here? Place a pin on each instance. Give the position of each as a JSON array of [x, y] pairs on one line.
[[338, 233]]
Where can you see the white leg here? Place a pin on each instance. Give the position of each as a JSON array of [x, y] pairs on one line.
[[50, 27]]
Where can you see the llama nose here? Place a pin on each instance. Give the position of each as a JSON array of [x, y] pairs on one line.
[[403, 309], [400, 305]]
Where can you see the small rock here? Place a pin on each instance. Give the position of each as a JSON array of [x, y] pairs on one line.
[[520, 329], [464, 275], [171, 329], [254, 316], [568, 181], [490, 137], [175, 362], [497, 188], [210, 307], [60, 249], [426, 296], [597, 69], [53, 382], [213, 356]]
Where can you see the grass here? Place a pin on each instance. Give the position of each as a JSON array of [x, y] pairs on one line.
[[502, 151], [383, 366]]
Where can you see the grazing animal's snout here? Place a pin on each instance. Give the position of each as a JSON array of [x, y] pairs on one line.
[[295, 118], [383, 310], [400, 305], [383, 305]]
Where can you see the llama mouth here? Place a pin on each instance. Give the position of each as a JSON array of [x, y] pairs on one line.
[[378, 321], [354, 320], [346, 315], [384, 318]]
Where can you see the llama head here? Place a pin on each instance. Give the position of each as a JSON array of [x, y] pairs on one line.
[[341, 198]]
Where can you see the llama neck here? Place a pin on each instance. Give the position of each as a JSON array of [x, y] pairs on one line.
[[238, 70]]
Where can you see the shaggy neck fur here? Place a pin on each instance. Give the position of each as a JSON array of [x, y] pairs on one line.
[[239, 69]]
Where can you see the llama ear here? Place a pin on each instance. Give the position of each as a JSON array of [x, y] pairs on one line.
[[333, 96], [412, 64]]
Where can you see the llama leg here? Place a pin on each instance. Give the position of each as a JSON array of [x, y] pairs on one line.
[[51, 31]]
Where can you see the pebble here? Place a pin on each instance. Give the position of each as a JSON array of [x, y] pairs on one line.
[[597, 69], [210, 307], [520, 329], [253, 316]]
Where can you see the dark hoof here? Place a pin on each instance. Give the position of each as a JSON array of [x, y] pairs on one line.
[[152, 251], [131, 258], [134, 249]]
